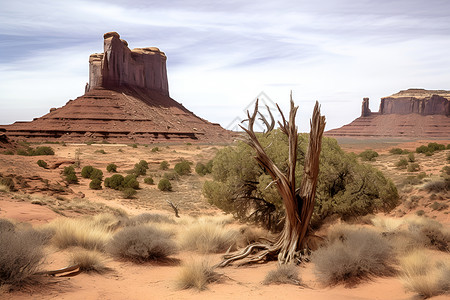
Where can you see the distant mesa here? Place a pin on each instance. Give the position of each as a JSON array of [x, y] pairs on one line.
[[126, 100], [409, 113]]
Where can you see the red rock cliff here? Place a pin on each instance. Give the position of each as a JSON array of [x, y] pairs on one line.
[[119, 66], [419, 101]]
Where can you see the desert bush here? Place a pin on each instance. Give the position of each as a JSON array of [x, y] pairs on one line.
[[368, 155], [164, 185], [89, 261], [111, 168], [345, 187], [398, 151], [68, 170], [71, 178], [149, 180], [114, 182], [171, 176], [86, 171], [430, 148], [438, 206], [141, 243], [42, 150], [87, 232], [21, 255], [413, 167], [353, 254], [42, 164], [155, 149], [423, 277], [422, 149], [437, 186], [411, 157], [133, 145], [402, 163], [148, 218], [183, 168], [448, 156], [164, 165], [8, 152], [200, 169], [128, 193], [96, 174], [130, 182], [139, 170], [283, 274], [95, 184], [207, 237], [446, 170], [428, 233], [100, 151], [196, 274]]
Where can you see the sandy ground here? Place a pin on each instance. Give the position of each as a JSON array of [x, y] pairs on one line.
[[157, 280]]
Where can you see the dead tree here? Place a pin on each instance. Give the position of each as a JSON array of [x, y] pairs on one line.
[[298, 203]]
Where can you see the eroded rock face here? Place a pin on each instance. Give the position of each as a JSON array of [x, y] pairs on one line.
[[417, 101], [365, 110], [119, 66]]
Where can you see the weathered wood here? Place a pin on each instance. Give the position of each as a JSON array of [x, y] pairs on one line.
[[299, 204]]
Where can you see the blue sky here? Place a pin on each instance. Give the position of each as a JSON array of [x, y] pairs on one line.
[[221, 55]]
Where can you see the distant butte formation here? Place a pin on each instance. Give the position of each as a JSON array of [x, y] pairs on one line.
[[126, 100], [411, 113]]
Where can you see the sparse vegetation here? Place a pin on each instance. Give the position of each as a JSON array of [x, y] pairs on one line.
[[368, 155], [165, 185], [398, 151], [155, 149], [42, 164], [21, 254], [100, 151], [95, 184], [89, 261], [129, 192], [283, 274], [41, 150], [149, 180], [411, 157], [183, 168], [196, 274], [202, 169], [351, 255], [430, 148], [413, 167], [114, 182], [69, 175], [402, 163], [164, 165], [423, 277], [111, 168], [437, 186], [141, 243], [86, 171]]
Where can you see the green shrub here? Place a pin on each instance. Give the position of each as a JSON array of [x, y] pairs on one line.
[[413, 167], [111, 168], [8, 152], [114, 182], [42, 164], [140, 168], [170, 176], [149, 180], [68, 170], [144, 164], [71, 178], [164, 185], [368, 155], [155, 149], [141, 243], [96, 174], [402, 163], [398, 151], [164, 165], [86, 171], [411, 157], [183, 168], [95, 184], [133, 145], [43, 150], [101, 151], [422, 149], [436, 147], [201, 169], [128, 192], [130, 182], [209, 166], [345, 187]]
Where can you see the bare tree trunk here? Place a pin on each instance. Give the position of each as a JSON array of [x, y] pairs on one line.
[[299, 204]]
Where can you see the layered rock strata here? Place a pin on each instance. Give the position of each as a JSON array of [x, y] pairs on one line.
[[412, 113], [126, 100]]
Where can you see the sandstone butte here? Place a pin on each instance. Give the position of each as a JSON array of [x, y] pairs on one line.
[[126, 100], [413, 113]]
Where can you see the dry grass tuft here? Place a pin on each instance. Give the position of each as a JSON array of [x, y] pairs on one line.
[[251, 234], [21, 254], [207, 237], [353, 254], [423, 277], [387, 224], [142, 243], [196, 274], [89, 261], [89, 233], [283, 274]]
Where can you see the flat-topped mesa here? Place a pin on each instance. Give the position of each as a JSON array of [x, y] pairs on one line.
[[119, 66], [419, 101]]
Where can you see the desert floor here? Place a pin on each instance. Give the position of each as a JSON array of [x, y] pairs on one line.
[[43, 200]]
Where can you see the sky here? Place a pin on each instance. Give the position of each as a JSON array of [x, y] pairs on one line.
[[223, 54]]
